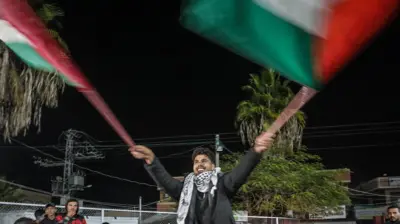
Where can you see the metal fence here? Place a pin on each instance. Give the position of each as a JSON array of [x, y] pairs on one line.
[[10, 211]]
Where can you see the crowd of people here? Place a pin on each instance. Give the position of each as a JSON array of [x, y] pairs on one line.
[[49, 215]]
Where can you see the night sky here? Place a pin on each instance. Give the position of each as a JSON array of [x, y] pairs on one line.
[[161, 80]]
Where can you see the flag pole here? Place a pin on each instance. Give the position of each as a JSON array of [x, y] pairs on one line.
[[301, 98]]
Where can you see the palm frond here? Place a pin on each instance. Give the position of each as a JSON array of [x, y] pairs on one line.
[[25, 91], [269, 95], [48, 12]]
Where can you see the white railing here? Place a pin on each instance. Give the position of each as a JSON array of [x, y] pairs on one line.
[[11, 211]]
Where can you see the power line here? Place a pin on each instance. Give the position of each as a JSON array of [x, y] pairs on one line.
[[98, 172], [313, 134], [164, 137], [353, 125], [352, 130], [372, 194], [352, 146], [153, 144], [332, 133], [235, 133], [334, 148], [204, 143], [179, 153], [235, 140], [350, 134], [50, 194], [83, 168]]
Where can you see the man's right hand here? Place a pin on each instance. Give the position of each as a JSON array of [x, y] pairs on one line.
[[142, 152]]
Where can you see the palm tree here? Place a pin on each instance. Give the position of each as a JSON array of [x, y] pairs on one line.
[[269, 95], [25, 91]]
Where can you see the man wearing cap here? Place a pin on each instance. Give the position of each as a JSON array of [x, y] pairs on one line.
[[50, 214]]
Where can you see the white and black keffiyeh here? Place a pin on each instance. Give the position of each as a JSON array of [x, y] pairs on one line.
[[205, 182]]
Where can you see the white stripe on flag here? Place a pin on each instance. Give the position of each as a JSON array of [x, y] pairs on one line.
[[309, 15], [9, 34]]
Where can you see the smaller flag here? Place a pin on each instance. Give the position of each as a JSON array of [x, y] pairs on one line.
[[27, 51], [24, 33]]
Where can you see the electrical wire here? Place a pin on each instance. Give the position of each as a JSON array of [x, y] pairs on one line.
[[55, 195], [179, 153], [163, 137], [371, 194], [95, 171], [350, 134], [177, 142], [307, 129], [351, 130], [353, 125], [83, 168], [352, 146]]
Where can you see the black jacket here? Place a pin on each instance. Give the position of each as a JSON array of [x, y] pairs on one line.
[[46, 220], [220, 212]]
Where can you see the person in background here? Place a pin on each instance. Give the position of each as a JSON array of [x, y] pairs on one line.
[[205, 195], [39, 215], [71, 215], [50, 214], [393, 214], [24, 220]]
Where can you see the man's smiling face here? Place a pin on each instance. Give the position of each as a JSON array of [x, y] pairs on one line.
[[202, 163]]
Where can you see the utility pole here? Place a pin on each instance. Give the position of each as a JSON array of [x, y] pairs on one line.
[[68, 162], [218, 149], [77, 148]]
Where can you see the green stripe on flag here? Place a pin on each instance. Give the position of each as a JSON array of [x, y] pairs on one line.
[[254, 33], [30, 57]]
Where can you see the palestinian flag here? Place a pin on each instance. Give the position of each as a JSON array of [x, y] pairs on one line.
[[308, 41], [24, 33]]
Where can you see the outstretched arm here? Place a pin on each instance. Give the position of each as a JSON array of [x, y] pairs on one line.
[[238, 176], [157, 171], [172, 186]]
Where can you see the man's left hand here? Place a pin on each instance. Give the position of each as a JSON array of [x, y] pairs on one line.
[[263, 142]]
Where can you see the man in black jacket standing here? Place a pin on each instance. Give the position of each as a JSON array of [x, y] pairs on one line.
[[205, 194]]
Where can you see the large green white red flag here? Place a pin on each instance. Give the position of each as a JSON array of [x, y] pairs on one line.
[[24, 33], [307, 41]]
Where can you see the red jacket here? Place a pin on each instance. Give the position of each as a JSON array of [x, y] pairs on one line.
[[77, 219]]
